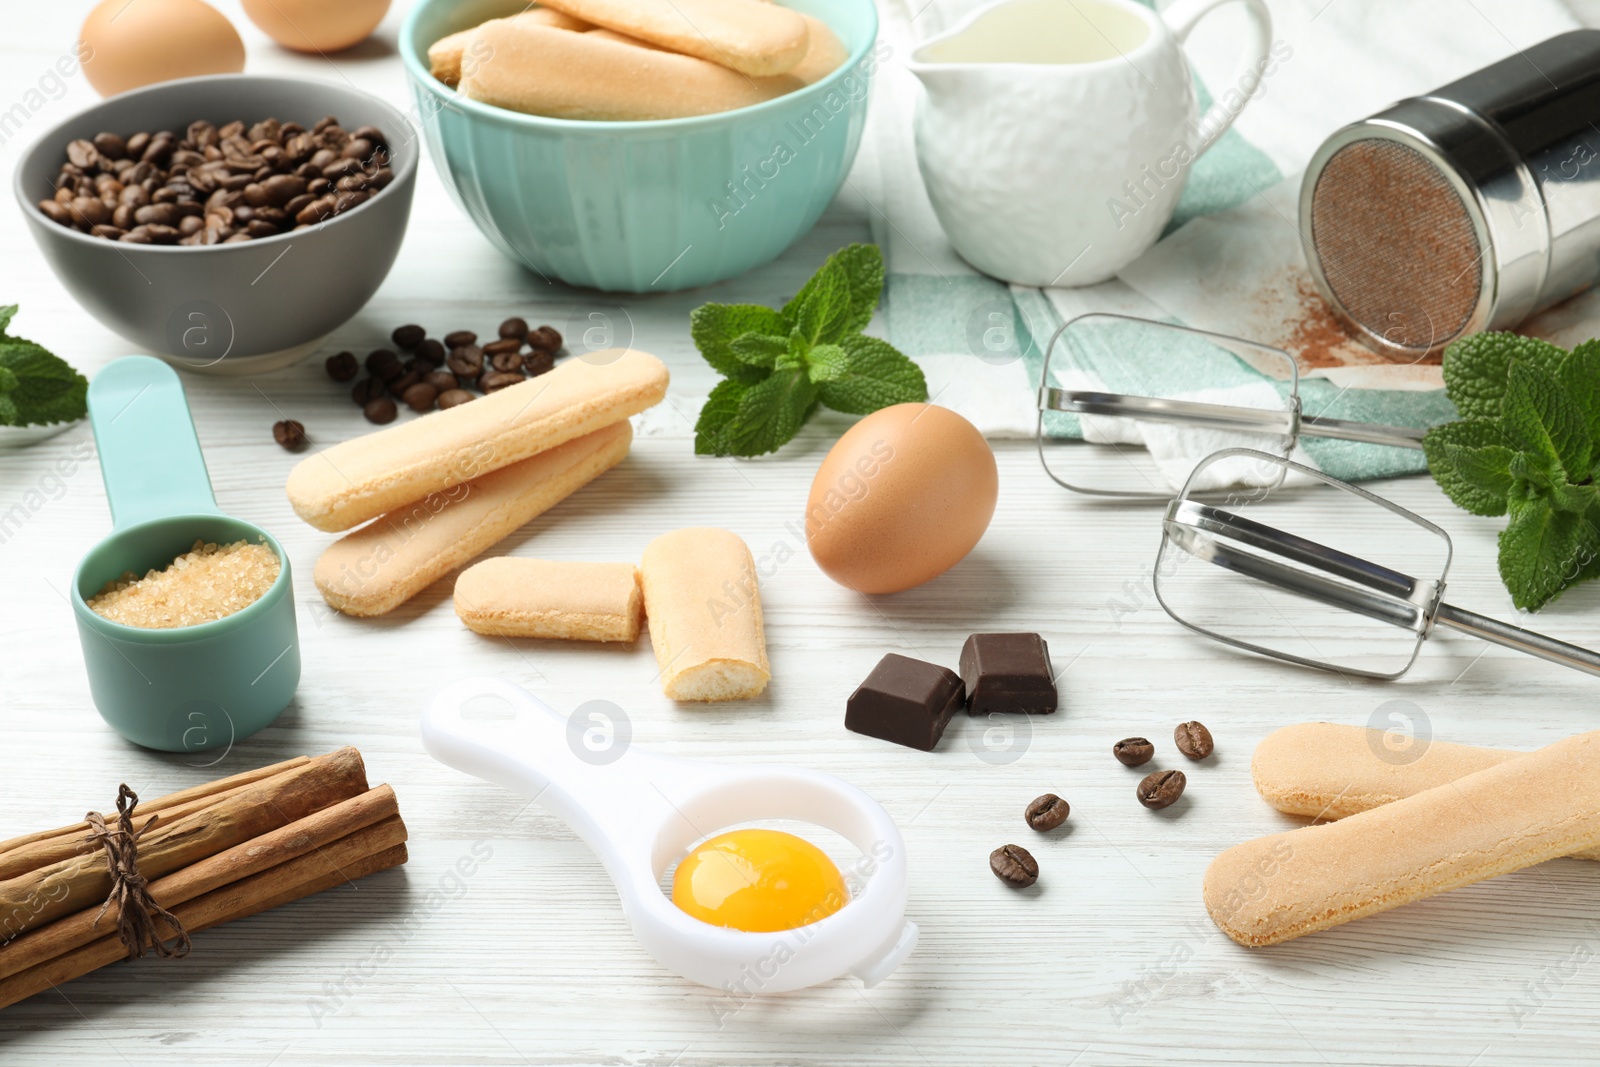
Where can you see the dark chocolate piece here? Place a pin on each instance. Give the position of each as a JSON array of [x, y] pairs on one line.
[[1008, 672], [904, 700]]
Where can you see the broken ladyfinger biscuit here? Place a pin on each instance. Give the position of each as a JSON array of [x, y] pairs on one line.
[[1324, 771], [387, 562], [749, 36], [345, 485], [589, 76], [569, 601], [704, 609], [1503, 818]]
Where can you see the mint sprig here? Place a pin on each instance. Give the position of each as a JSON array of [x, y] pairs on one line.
[[35, 386], [1527, 446], [781, 364]]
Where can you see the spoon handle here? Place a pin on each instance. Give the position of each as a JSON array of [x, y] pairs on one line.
[[149, 454]]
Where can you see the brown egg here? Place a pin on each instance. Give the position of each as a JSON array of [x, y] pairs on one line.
[[901, 498], [126, 45], [317, 25]]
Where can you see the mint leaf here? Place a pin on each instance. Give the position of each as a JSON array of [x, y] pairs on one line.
[[861, 268], [1472, 464], [758, 349], [1476, 368], [44, 388], [1539, 418], [770, 413], [714, 327], [823, 317], [720, 408], [6, 314], [1543, 550], [876, 376], [828, 363], [1579, 375]]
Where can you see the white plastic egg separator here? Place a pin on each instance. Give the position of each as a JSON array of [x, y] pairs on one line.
[[639, 811]]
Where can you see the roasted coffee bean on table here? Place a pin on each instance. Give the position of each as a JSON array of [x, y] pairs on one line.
[[367, 390], [1161, 789], [290, 434], [342, 366], [545, 338], [420, 397], [1046, 813], [408, 336], [1133, 751], [1014, 865], [216, 185], [430, 351], [442, 381], [380, 357], [458, 338], [451, 398], [380, 411], [1193, 740], [514, 327]]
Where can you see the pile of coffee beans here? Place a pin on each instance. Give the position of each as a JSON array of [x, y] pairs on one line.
[[443, 372], [217, 185], [1161, 789]]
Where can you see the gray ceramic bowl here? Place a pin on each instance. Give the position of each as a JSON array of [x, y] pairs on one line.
[[237, 308]]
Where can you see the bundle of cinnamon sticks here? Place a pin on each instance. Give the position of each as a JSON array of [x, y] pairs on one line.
[[216, 852]]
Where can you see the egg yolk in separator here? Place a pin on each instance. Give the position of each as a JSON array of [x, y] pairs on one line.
[[759, 881]]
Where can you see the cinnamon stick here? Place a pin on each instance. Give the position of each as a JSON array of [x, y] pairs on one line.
[[289, 881], [318, 830], [30, 901], [190, 796]]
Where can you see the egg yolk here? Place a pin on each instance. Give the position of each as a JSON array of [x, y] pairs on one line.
[[758, 880]]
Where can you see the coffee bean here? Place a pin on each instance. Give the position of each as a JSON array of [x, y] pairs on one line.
[[1046, 812], [442, 380], [451, 398], [514, 327], [367, 390], [342, 366], [1133, 751], [504, 344], [399, 384], [459, 338], [538, 362], [1193, 740], [546, 338], [110, 146], [83, 154], [506, 361], [408, 337], [495, 381], [380, 357], [380, 411], [1160, 789], [290, 434], [466, 362], [420, 397], [430, 352], [1014, 866]]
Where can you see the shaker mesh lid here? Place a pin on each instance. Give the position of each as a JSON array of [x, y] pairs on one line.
[[1396, 244]]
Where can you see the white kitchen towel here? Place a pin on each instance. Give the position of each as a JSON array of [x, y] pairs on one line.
[[1229, 260]]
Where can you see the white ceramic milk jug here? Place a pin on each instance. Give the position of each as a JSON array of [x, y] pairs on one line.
[[1055, 135]]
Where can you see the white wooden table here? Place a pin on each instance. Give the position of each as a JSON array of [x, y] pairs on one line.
[[1110, 959]]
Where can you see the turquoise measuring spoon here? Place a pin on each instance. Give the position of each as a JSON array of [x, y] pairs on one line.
[[190, 688]]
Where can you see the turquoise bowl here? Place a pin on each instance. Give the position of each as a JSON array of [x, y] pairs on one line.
[[644, 206]]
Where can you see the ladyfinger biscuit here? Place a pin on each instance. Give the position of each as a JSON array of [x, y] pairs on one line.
[[704, 608], [1329, 772], [1491, 822], [749, 36], [541, 71], [825, 53], [509, 597], [344, 486], [447, 55], [385, 563]]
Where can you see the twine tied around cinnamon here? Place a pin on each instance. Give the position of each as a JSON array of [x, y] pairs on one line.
[[139, 917]]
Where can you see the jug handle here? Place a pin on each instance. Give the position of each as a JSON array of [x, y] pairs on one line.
[[149, 454], [1182, 17]]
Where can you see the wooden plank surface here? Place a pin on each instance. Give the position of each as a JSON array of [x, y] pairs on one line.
[[501, 941]]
